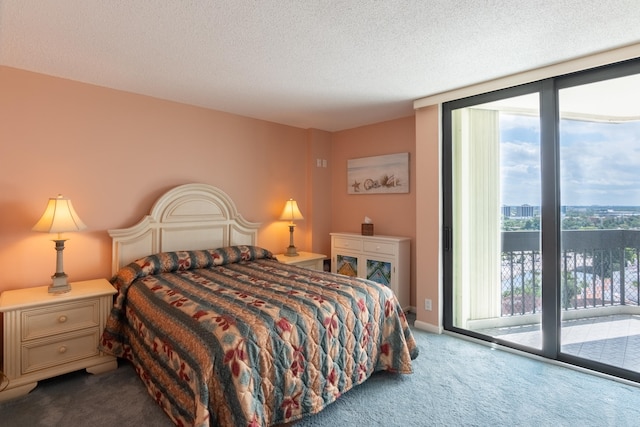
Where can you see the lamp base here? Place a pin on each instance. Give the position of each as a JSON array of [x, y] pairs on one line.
[[60, 284], [291, 251]]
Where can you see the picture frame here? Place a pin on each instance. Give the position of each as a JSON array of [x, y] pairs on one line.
[[378, 174]]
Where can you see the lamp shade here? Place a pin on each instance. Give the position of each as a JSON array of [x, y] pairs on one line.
[[291, 211], [59, 217]]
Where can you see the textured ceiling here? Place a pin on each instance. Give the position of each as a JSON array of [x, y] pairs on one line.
[[324, 64]]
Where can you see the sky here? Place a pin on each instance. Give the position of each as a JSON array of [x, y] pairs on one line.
[[599, 162]]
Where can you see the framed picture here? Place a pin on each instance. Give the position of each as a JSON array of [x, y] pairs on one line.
[[379, 174]]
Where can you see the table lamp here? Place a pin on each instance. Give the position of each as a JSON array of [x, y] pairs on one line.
[[59, 217], [291, 213]]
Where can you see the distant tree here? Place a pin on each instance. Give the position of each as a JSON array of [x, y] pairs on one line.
[[532, 223]]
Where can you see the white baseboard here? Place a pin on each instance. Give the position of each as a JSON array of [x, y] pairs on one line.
[[424, 326]]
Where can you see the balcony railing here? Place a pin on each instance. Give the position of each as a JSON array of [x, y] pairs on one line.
[[599, 268]]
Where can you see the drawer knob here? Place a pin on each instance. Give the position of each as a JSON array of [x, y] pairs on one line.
[[62, 319], [62, 349]]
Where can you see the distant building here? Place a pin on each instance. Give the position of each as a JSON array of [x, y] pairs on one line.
[[524, 211]]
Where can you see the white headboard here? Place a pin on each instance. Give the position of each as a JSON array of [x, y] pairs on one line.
[[188, 217]]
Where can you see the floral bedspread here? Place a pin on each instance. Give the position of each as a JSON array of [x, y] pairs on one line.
[[232, 337]]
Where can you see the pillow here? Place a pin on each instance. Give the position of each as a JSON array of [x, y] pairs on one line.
[[165, 262]]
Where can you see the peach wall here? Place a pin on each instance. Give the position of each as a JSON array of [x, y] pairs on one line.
[[319, 191], [392, 214], [113, 153], [428, 197]]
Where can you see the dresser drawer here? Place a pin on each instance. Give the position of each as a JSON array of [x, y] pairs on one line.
[[42, 354], [60, 318], [346, 243], [380, 247]]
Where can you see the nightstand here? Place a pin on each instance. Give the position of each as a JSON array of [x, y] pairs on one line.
[[45, 334], [304, 259]]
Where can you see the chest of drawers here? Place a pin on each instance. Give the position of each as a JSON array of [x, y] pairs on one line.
[[383, 259]]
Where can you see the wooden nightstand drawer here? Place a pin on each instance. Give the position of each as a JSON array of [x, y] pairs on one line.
[[47, 321], [42, 354], [308, 264], [304, 259], [380, 247]]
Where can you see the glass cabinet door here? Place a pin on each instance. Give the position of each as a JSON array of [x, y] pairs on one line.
[[379, 271], [347, 265]]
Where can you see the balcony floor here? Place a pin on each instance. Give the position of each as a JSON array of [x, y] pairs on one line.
[[614, 340]]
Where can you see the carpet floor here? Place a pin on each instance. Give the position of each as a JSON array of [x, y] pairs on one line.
[[455, 383]]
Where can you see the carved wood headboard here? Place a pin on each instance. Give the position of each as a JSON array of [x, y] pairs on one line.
[[187, 217]]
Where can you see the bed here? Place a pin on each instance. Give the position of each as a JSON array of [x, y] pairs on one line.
[[221, 333]]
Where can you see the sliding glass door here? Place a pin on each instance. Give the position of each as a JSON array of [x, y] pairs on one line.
[[600, 239], [541, 218], [495, 218]]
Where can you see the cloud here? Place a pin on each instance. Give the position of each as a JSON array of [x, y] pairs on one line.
[[599, 162], [520, 160]]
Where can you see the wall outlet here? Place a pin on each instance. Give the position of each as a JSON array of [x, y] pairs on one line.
[[427, 304]]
